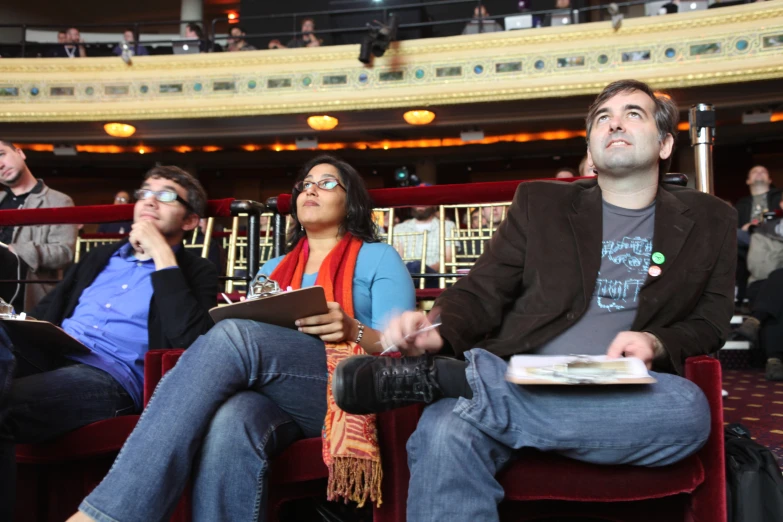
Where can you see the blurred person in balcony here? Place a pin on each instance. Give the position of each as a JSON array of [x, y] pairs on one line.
[[120, 300], [481, 22], [73, 47], [621, 265], [135, 48], [35, 252], [237, 41], [247, 390], [669, 8], [194, 32], [423, 218], [564, 14], [306, 39], [120, 227]]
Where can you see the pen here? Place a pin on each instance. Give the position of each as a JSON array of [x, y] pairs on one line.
[[229, 301], [437, 322]]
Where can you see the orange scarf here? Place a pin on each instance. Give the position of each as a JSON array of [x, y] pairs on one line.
[[350, 442]]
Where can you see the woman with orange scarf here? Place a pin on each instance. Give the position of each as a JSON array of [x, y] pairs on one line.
[[245, 391]]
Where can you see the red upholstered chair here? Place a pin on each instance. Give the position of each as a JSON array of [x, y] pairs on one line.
[[55, 476], [550, 485]]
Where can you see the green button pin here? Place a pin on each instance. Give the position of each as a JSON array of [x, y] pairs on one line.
[[658, 258]]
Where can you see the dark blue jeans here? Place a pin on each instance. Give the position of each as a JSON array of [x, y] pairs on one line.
[[37, 405]]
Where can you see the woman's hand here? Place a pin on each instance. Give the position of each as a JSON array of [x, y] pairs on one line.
[[333, 327]]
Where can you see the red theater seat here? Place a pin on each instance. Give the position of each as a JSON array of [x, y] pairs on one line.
[[549, 485]]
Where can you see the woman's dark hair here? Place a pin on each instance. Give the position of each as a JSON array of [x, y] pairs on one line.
[[358, 205]]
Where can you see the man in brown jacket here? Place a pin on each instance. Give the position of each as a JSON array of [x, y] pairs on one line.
[[618, 266], [38, 252]]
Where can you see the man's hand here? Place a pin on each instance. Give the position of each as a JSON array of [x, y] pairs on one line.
[[146, 240], [746, 226], [333, 327], [634, 344], [400, 333]]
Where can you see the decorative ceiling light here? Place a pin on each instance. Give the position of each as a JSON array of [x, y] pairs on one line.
[[419, 117], [322, 123], [119, 130]]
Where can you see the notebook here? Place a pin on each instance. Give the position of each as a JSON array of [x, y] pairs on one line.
[[576, 369], [281, 309]]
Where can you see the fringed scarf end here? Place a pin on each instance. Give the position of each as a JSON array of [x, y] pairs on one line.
[[355, 479]]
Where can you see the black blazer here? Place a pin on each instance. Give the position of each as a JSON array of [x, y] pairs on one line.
[[745, 206], [537, 277], [181, 298]]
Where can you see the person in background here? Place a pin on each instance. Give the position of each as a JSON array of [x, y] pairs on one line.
[[763, 197], [566, 172], [481, 22], [120, 227], [135, 48], [72, 47], [586, 168], [36, 252], [306, 39], [423, 218], [237, 41], [194, 32]]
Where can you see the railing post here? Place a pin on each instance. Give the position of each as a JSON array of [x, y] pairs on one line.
[[278, 246], [702, 121], [24, 41], [253, 209]]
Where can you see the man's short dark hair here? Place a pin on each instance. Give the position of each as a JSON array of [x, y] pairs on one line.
[[666, 114], [197, 196], [62, 31], [241, 29], [196, 29], [8, 143]]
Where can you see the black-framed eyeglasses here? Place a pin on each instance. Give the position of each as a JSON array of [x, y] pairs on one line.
[[164, 196], [324, 184]]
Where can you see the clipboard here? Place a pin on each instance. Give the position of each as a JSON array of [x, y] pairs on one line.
[[28, 332], [574, 370], [281, 309]]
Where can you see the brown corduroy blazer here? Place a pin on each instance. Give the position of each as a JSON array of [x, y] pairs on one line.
[[538, 273]]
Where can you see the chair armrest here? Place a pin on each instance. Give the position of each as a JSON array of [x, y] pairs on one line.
[[156, 363], [709, 499]]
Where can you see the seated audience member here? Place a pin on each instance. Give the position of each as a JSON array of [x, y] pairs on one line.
[[765, 293], [121, 300], [307, 38], [135, 48], [73, 46], [669, 8], [237, 41], [564, 15], [120, 227], [52, 51], [481, 23], [566, 172], [34, 252], [547, 285], [423, 218], [194, 32], [586, 168], [247, 390]]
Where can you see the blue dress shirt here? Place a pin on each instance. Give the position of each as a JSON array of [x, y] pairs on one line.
[[111, 319]]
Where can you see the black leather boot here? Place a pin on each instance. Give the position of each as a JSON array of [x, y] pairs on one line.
[[367, 384]]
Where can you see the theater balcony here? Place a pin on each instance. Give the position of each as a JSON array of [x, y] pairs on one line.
[[731, 45]]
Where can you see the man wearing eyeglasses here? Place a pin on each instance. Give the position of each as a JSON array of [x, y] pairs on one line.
[[120, 301]]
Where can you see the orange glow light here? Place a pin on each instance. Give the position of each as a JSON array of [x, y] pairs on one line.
[[420, 117], [211, 148], [776, 116], [322, 123], [233, 17], [141, 150], [251, 148], [119, 130], [101, 149], [683, 126], [182, 149], [659, 94]]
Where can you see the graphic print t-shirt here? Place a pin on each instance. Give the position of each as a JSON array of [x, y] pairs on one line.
[[625, 259]]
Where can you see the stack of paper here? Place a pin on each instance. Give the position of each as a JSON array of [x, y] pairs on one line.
[[576, 369]]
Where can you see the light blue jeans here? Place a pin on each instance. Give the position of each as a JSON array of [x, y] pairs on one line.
[[460, 445], [238, 396]]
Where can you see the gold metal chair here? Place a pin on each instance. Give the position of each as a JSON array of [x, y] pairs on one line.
[[191, 240], [384, 218], [236, 246], [468, 239], [84, 245], [412, 246]]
